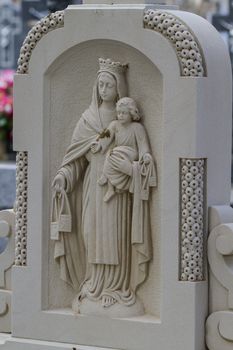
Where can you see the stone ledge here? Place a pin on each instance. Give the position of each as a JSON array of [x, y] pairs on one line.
[[7, 342]]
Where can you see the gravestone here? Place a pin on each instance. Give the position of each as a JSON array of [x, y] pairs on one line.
[[10, 31], [123, 132]]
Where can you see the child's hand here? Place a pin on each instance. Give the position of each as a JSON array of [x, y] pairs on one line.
[[147, 158], [95, 147]]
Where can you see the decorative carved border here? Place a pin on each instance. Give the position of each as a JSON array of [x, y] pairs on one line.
[[45, 25], [21, 209], [187, 48], [192, 218]]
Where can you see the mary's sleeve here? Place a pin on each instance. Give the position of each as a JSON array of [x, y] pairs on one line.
[[67, 209], [72, 173], [74, 162], [82, 139], [72, 169]]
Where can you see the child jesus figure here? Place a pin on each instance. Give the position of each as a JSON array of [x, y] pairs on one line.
[[130, 143]]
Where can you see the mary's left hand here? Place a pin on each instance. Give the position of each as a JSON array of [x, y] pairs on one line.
[[122, 165], [147, 158]]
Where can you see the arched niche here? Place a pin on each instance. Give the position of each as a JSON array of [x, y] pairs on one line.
[[183, 117]]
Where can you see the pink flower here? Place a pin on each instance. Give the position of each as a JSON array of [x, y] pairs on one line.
[[6, 105], [3, 85], [8, 108], [2, 95], [8, 76]]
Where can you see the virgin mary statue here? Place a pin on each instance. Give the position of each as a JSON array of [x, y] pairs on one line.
[[103, 248]]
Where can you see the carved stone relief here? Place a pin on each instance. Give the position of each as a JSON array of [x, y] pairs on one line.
[[100, 205], [185, 44], [187, 48], [192, 184], [45, 25], [96, 176]]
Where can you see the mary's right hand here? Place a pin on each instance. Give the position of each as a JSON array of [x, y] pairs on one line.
[[59, 183]]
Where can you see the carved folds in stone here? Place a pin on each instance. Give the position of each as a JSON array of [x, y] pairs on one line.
[[110, 150]]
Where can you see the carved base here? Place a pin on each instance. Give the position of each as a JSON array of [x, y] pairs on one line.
[[88, 307], [7, 342]]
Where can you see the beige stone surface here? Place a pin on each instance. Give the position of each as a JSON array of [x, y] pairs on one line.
[[220, 257], [64, 82], [185, 118]]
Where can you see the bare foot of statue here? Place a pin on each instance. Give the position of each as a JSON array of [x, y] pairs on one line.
[[108, 301]]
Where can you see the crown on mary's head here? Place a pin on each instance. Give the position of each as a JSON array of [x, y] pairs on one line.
[[110, 66]]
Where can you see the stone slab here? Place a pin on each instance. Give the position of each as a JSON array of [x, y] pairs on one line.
[[7, 342], [189, 112]]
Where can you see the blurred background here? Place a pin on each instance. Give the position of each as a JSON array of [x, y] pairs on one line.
[[16, 19]]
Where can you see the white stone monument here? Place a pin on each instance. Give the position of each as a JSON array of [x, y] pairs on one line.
[[123, 131]]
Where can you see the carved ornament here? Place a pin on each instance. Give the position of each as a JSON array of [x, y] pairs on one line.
[[187, 48]]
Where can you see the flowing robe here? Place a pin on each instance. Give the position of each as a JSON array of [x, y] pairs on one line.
[[105, 249]]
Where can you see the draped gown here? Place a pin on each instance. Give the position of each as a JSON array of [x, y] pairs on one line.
[[107, 250]]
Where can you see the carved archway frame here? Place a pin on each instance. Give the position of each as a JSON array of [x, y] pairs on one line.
[[190, 105]]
